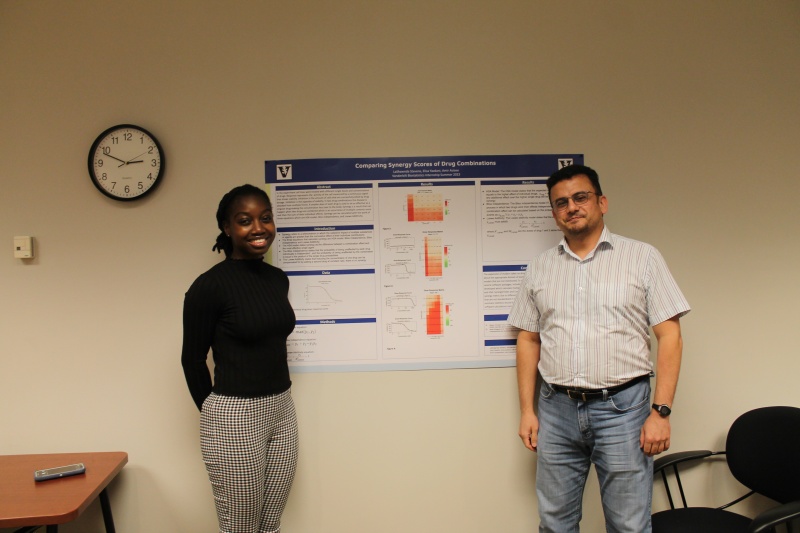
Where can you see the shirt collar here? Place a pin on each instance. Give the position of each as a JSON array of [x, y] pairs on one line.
[[606, 240]]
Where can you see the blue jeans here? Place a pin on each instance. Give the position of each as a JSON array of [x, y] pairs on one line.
[[605, 432]]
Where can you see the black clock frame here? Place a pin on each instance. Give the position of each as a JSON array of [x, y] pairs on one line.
[[94, 178]]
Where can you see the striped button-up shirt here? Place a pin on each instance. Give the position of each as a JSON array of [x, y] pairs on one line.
[[593, 315]]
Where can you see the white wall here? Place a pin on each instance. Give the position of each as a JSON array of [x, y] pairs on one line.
[[689, 110]]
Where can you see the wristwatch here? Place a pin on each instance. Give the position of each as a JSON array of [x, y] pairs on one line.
[[662, 409]]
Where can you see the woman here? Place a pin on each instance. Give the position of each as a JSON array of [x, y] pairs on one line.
[[240, 309]]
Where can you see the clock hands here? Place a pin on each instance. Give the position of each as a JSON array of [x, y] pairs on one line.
[[117, 158], [131, 161]]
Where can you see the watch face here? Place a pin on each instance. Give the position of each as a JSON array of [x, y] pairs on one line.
[[126, 162], [663, 410]]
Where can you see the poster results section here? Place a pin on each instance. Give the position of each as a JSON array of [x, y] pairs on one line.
[[428, 249], [408, 263]]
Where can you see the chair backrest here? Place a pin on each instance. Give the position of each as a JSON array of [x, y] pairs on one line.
[[763, 452]]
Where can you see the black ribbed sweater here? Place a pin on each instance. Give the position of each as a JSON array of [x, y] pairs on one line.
[[240, 309]]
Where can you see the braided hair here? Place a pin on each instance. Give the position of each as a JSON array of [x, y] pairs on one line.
[[224, 242]]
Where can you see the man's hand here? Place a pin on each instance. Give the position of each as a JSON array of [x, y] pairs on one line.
[[529, 431], [655, 434]]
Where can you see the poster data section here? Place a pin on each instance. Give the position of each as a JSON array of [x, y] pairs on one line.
[[410, 262]]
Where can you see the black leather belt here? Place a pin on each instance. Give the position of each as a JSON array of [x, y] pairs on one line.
[[591, 394]]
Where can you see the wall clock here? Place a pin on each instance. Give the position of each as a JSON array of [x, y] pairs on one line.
[[126, 162]]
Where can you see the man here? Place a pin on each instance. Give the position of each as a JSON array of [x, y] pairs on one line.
[[584, 311]]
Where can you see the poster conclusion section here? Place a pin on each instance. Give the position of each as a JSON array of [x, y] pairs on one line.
[[409, 262]]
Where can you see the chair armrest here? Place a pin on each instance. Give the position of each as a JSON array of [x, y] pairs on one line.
[[679, 457], [772, 517]]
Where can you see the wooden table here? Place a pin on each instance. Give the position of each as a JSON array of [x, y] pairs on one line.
[[25, 502]]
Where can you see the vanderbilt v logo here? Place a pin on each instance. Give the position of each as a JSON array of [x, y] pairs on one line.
[[284, 172]]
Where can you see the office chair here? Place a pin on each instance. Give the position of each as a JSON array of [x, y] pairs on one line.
[[762, 451]]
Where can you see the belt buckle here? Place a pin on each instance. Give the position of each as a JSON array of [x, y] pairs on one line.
[[578, 395]]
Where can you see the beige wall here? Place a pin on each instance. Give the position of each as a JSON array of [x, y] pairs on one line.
[[689, 110]]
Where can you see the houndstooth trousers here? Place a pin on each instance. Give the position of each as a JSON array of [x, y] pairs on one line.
[[249, 446]]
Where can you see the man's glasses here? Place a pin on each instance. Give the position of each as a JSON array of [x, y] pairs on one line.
[[579, 198]]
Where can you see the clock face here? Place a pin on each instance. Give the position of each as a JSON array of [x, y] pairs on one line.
[[126, 162]]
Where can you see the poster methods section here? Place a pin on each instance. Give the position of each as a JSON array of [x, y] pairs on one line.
[[408, 263]]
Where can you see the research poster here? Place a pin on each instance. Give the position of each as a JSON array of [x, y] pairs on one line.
[[408, 263]]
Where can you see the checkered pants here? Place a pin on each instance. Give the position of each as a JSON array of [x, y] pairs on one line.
[[249, 446]]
